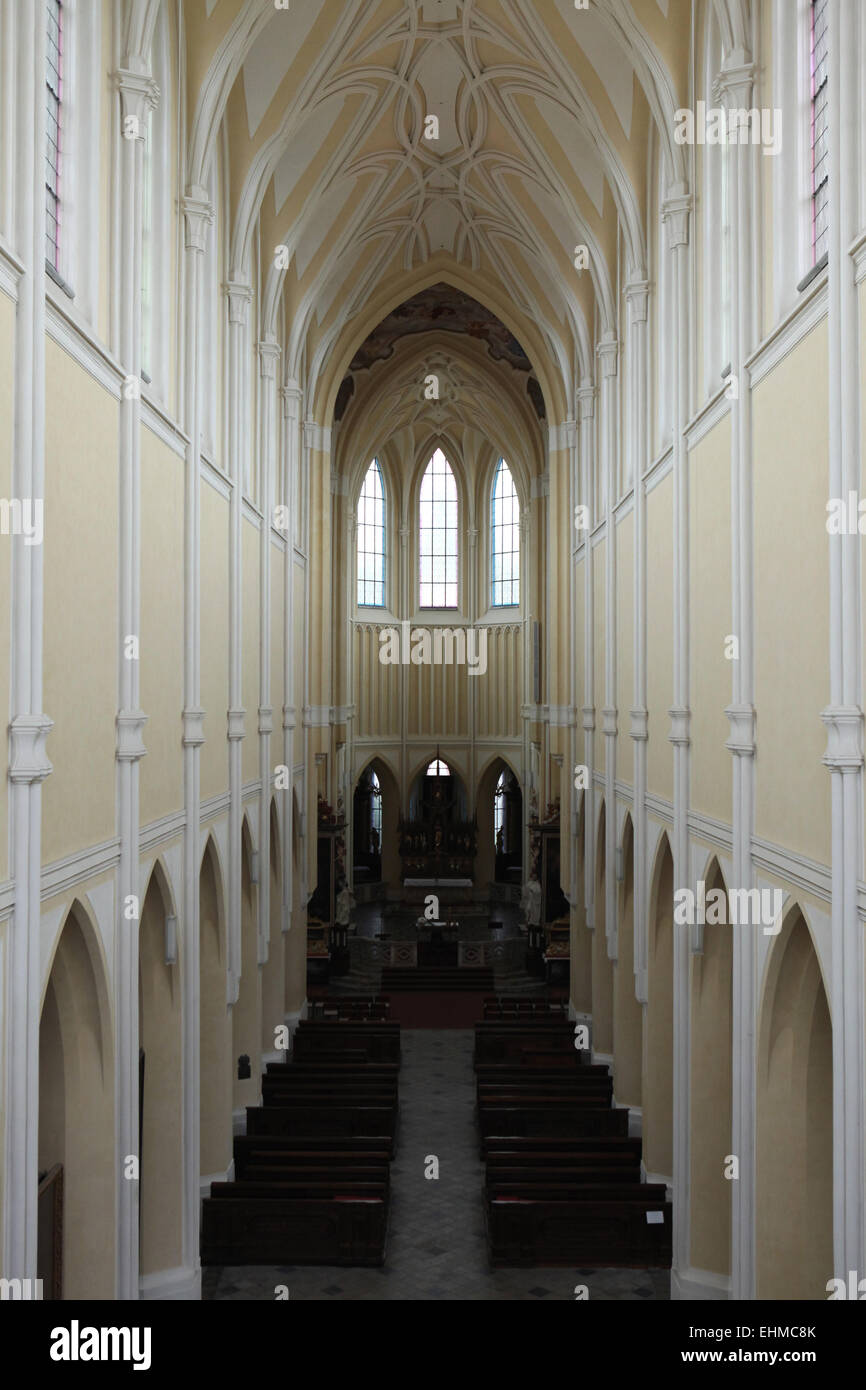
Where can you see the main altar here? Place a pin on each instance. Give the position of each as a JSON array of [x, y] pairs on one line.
[[437, 847]]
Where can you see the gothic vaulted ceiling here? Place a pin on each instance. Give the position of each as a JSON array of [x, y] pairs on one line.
[[540, 143]]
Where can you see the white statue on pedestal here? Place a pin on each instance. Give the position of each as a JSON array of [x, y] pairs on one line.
[[345, 903], [531, 902]]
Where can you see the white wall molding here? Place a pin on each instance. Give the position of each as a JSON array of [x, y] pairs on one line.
[[788, 334]]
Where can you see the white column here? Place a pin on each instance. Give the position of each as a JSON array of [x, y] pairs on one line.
[[238, 296], [676, 217], [735, 86], [137, 93], [198, 216], [607, 352], [586, 407], [844, 716], [292, 396], [29, 726], [269, 354], [636, 294]]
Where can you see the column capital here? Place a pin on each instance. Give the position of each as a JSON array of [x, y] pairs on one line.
[[637, 298], [269, 355], [609, 721], [733, 85], [741, 740], [198, 215], [266, 719], [235, 729], [588, 718], [607, 352], [240, 297], [586, 400], [130, 743], [676, 211], [28, 761], [844, 725], [292, 396], [138, 95]]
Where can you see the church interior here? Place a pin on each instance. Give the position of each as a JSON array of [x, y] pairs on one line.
[[432, 857]]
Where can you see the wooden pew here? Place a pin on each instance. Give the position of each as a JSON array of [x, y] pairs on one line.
[[579, 1230], [557, 1122], [360, 1149], [324, 1121], [263, 1227]]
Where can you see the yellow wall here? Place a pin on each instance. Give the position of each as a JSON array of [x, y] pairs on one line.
[[162, 551], [660, 645], [710, 620], [252, 627], [81, 617], [792, 601], [214, 641]]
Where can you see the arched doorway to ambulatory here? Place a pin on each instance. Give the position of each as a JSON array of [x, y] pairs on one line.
[[375, 835], [795, 1123], [77, 1169], [499, 804]]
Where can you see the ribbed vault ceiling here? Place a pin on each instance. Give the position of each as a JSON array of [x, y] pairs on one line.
[[544, 115]]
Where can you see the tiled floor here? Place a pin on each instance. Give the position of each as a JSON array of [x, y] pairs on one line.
[[436, 1247]]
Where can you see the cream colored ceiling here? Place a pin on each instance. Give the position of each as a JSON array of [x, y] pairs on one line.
[[544, 113]]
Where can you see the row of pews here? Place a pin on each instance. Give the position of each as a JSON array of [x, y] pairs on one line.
[[563, 1178], [312, 1173], [351, 1007], [517, 1006]]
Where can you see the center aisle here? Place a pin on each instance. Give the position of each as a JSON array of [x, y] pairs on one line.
[[436, 1246]]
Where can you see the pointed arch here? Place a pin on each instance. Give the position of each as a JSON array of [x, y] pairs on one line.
[[794, 1192], [438, 536], [76, 1105], [658, 1085], [371, 539], [504, 539]]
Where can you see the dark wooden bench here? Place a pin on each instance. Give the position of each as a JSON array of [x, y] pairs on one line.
[[324, 1121], [563, 1121], [283, 1148], [269, 1229], [580, 1231]]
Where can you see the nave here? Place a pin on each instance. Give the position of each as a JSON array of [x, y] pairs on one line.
[[436, 1241]]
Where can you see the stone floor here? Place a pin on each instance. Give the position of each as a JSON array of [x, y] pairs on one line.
[[436, 1247]]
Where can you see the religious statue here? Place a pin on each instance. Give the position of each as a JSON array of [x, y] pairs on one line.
[[531, 902], [345, 903]]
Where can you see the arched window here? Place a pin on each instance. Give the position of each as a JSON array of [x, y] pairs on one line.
[[53, 128], [437, 536], [499, 825], [371, 540], [504, 539], [438, 769], [819, 111]]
